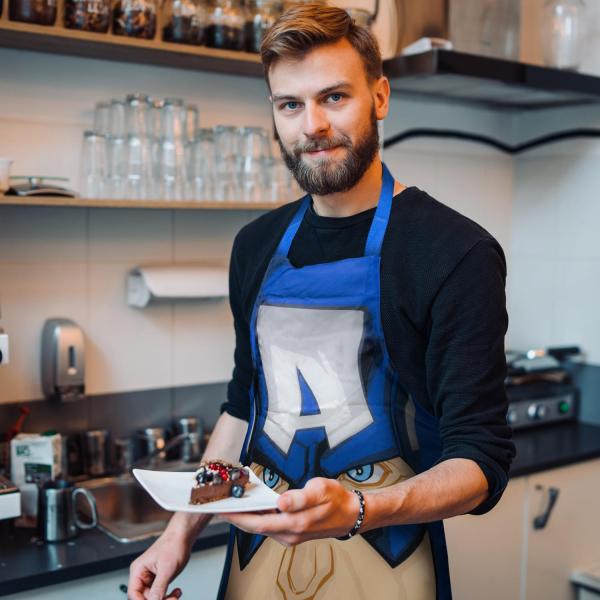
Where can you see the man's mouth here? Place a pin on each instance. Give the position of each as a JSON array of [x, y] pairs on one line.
[[321, 151]]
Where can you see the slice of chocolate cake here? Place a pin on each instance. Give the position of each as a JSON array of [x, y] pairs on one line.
[[216, 480]]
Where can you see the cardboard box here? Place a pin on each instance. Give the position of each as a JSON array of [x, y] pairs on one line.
[[34, 459]]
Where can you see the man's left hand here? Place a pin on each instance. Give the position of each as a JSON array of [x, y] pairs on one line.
[[323, 508]]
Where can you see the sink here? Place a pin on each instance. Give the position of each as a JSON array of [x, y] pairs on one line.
[[126, 512]]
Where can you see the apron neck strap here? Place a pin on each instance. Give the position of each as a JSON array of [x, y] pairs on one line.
[[382, 215], [378, 226], [288, 237]]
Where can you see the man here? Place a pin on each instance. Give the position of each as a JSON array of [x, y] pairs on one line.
[[369, 363]]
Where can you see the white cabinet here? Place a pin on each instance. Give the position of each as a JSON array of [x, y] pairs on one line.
[[502, 556], [485, 551], [203, 572], [571, 538]]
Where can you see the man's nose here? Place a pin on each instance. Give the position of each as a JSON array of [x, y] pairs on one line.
[[316, 122]]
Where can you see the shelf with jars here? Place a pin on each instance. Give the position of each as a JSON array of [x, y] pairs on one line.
[[210, 35]]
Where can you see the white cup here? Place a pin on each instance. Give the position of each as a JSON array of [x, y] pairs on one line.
[[4, 171]]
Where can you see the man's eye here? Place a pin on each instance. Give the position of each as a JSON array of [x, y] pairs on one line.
[[335, 97], [290, 105]]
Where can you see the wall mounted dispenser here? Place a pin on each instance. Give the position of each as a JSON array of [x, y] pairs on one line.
[[63, 360], [176, 282]]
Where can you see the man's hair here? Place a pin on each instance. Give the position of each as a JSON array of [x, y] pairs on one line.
[[306, 27]]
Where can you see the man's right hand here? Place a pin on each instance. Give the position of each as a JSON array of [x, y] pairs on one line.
[[152, 572]]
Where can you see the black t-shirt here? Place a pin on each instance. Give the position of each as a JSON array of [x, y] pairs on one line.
[[443, 309]]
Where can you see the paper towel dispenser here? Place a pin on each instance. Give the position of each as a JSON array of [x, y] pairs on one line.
[[176, 282]]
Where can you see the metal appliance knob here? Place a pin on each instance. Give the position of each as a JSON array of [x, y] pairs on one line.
[[537, 412]]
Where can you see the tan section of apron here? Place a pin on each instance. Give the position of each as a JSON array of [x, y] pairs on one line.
[[325, 569]]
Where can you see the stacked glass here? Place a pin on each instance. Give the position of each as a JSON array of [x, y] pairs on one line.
[[147, 149]]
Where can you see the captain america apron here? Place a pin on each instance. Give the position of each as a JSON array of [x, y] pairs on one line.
[[327, 402]]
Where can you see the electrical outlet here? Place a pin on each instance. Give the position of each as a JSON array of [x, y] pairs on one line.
[[3, 349]]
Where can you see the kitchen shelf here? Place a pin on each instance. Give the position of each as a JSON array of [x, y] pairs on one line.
[[456, 76], [153, 204], [60, 40], [441, 74]]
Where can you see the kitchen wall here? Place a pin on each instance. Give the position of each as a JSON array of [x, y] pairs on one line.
[[73, 262], [554, 284], [555, 258]]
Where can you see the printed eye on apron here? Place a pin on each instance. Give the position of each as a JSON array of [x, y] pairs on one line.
[[327, 402]]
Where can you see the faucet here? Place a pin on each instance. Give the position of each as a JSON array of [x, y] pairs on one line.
[[157, 454]]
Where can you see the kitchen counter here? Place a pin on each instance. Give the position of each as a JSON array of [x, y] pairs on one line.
[[26, 563], [554, 446]]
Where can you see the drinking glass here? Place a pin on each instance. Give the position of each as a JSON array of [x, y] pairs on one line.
[[138, 169], [203, 166], [255, 153], [139, 176], [102, 117], [92, 169], [115, 148], [228, 162], [173, 175]]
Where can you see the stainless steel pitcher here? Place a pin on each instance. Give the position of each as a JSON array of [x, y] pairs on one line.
[[57, 516]]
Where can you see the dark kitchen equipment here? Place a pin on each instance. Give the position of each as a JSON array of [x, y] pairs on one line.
[[539, 387], [96, 452], [34, 185], [541, 403], [71, 456], [191, 446], [57, 516], [153, 442], [63, 360]]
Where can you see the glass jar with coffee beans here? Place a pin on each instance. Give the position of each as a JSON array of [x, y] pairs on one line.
[[40, 12], [87, 15], [226, 22], [135, 18], [261, 14], [185, 21]]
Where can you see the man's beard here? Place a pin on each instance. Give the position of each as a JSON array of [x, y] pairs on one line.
[[329, 177]]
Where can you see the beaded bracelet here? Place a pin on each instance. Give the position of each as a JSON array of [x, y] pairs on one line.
[[361, 517]]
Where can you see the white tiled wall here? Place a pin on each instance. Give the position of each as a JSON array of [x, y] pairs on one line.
[[73, 262], [555, 275]]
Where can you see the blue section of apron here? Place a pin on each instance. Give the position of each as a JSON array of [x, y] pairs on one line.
[[345, 284]]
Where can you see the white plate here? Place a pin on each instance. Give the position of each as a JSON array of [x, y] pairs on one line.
[[172, 492]]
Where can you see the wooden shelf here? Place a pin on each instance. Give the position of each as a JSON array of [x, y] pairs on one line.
[[60, 40], [441, 74], [150, 204]]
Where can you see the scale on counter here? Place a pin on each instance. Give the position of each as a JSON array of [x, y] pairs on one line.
[[34, 185], [10, 499]]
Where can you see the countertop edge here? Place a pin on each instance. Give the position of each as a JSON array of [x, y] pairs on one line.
[[32, 582]]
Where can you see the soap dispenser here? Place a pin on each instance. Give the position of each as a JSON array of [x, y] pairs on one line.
[[63, 360]]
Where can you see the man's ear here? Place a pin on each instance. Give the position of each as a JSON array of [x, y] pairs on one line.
[[381, 97]]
